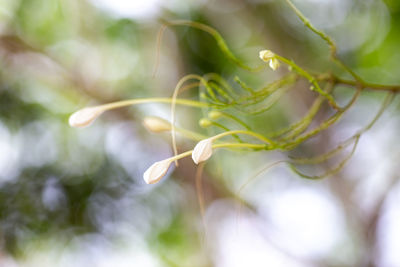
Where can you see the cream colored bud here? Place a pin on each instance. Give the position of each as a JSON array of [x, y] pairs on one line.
[[202, 151], [266, 55], [156, 124], [85, 116], [205, 123], [214, 114], [274, 63], [156, 171]]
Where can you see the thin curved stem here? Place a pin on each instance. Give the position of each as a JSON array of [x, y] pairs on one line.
[[226, 129], [220, 41], [220, 145], [323, 126], [366, 85], [251, 133], [124, 103], [236, 119], [239, 145], [174, 96], [328, 172], [179, 88], [326, 38], [299, 127], [311, 79], [326, 156]]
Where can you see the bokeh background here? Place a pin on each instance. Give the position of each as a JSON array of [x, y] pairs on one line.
[[75, 197]]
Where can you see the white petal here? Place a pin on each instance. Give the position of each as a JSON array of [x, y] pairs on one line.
[[156, 171], [274, 63], [266, 55], [85, 116], [202, 151]]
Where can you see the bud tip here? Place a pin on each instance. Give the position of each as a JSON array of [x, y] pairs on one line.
[[202, 151], [84, 117], [156, 124], [156, 171]]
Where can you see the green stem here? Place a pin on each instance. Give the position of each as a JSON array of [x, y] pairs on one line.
[[239, 145], [251, 133], [234, 118], [326, 38], [227, 130], [190, 134], [323, 126], [330, 172], [177, 90], [124, 103], [243, 85], [308, 24], [182, 155], [311, 79], [299, 127], [324, 157], [222, 145], [220, 41], [372, 86]]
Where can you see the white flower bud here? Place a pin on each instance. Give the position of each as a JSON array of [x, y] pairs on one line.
[[202, 151], [156, 171], [85, 116], [156, 124]]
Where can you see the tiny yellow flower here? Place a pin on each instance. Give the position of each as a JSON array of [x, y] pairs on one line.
[[269, 56]]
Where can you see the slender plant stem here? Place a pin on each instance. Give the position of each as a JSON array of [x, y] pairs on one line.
[[234, 118], [124, 103], [366, 85], [226, 129], [221, 145], [239, 145], [217, 36], [311, 79], [251, 133], [327, 38]]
